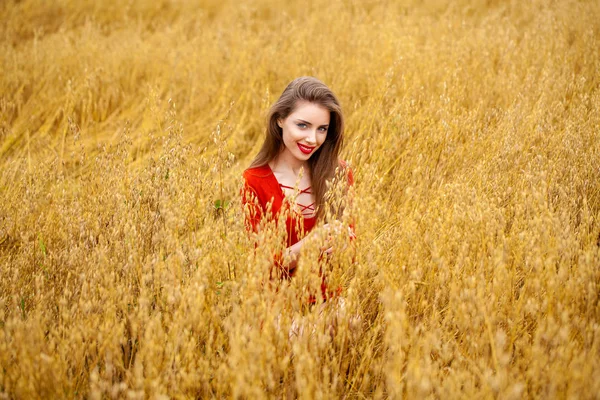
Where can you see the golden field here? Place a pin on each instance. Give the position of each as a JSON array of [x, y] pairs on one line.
[[473, 131]]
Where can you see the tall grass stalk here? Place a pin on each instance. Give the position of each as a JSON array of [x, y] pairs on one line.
[[125, 268]]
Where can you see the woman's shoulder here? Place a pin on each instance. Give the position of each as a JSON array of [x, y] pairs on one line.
[[346, 169], [258, 179], [258, 172], [343, 163]]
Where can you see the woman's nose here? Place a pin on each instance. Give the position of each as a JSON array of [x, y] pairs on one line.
[[311, 137]]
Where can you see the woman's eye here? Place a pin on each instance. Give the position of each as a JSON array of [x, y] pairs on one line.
[[301, 126], [323, 129]]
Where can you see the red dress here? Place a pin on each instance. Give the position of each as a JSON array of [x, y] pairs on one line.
[[261, 183]]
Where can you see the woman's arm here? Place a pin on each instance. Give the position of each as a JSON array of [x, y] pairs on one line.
[[292, 253]]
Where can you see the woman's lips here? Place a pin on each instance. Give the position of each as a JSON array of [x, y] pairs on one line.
[[305, 149]]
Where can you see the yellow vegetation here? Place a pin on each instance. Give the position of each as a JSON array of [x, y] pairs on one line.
[[473, 133]]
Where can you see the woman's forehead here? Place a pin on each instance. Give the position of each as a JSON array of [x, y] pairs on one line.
[[311, 112]]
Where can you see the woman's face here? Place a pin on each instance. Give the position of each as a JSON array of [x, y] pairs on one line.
[[304, 130]]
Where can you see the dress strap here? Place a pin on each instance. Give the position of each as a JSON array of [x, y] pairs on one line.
[[307, 209], [307, 190]]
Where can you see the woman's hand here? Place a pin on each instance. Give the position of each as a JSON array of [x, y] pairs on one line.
[[327, 234], [332, 230]]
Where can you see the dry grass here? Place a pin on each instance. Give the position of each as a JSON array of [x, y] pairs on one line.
[[473, 131]]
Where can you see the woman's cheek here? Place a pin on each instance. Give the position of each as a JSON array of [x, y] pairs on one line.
[[323, 139]]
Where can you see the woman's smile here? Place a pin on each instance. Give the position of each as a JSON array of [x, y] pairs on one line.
[[306, 149]]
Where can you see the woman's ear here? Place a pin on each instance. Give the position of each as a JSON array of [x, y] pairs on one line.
[[280, 123]]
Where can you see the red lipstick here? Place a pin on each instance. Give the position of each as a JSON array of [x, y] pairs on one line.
[[305, 149]]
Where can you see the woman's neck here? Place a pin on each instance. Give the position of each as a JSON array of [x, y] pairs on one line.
[[289, 164]]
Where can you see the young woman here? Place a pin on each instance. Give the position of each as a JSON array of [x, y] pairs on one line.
[[290, 174]]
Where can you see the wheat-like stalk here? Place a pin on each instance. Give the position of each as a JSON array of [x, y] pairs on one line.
[[473, 134]]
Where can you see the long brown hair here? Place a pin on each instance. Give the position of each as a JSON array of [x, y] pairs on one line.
[[323, 163]]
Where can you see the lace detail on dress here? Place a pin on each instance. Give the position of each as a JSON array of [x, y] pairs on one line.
[[307, 211]]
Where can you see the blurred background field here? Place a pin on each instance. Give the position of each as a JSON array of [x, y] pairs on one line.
[[473, 133]]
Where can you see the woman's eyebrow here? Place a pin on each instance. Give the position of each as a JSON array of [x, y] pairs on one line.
[[308, 123]]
